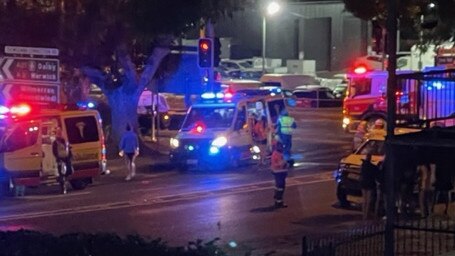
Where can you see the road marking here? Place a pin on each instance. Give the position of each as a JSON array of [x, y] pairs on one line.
[[267, 185]]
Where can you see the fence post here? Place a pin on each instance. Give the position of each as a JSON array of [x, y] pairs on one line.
[[304, 246]]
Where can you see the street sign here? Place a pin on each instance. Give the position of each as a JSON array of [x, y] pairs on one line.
[[41, 93], [30, 70], [31, 50]]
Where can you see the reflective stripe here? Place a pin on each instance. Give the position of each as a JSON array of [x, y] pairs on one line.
[[286, 124]]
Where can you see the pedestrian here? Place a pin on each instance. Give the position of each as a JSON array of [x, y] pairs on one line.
[[260, 131], [129, 148], [378, 128], [359, 135], [62, 153], [285, 127], [368, 172], [279, 170], [426, 191]]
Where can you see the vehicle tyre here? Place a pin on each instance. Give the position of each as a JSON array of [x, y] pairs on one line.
[[80, 184], [342, 196]]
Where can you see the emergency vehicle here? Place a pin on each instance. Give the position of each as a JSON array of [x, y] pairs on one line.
[[366, 97], [26, 136], [217, 131]]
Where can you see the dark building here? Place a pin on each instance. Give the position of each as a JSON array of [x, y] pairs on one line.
[[318, 30]]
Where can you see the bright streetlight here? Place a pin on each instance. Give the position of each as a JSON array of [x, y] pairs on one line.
[[271, 9]]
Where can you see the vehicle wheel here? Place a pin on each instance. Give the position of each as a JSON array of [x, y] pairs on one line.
[[80, 183], [371, 120], [342, 196]]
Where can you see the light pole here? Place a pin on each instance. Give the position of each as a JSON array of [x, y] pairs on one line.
[[271, 9]]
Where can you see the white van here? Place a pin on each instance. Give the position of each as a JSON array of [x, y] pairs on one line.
[[288, 81], [217, 132]]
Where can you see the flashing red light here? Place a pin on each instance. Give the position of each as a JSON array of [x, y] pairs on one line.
[[228, 95], [360, 70], [199, 127], [20, 110]]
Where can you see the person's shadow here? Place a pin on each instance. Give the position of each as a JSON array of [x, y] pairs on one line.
[[263, 209]]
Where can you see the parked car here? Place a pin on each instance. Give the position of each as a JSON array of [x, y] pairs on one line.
[[340, 91], [348, 173], [315, 97]]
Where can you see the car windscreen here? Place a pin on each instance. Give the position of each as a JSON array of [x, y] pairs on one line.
[[210, 117], [359, 86], [375, 147], [18, 136]]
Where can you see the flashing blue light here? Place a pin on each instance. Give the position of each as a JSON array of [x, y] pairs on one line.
[[3, 110], [190, 148], [232, 244], [2, 116], [208, 95], [90, 105], [214, 150], [219, 95]]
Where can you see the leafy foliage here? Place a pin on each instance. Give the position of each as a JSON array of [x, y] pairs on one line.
[[31, 243], [410, 12]]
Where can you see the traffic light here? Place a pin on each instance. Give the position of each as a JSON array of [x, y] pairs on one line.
[[205, 53], [216, 52]]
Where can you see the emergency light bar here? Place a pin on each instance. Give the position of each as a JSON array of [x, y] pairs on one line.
[[218, 95]]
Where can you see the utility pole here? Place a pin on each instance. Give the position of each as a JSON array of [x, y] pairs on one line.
[[391, 111], [210, 33]]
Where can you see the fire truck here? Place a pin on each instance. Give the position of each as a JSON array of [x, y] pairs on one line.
[[429, 99]]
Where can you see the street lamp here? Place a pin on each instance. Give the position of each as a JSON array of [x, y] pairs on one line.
[[271, 9]]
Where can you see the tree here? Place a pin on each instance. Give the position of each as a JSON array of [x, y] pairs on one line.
[[117, 45], [410, 12]]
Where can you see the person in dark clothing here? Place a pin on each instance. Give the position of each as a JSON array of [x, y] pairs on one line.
[[368, 172], [62, 153]]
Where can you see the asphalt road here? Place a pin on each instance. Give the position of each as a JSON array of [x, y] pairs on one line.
[[234, 205]]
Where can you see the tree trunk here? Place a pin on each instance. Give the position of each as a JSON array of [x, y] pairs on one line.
[[124, 111]]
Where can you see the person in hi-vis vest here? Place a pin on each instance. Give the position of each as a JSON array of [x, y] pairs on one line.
[[285, 128]]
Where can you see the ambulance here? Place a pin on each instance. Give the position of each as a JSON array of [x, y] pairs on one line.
[[26, 136], [217, 130]]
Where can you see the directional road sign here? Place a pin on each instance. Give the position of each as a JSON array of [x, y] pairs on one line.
[[30, 70], [42, 93], [31, 50]]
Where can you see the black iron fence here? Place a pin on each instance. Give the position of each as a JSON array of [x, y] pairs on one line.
[[417, 237], [425, 97]]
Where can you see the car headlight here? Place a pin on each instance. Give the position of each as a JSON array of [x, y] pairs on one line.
[[346, 121], [175, 143], [219, 142]]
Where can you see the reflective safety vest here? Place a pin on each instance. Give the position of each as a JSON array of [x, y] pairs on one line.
[[286, 123]]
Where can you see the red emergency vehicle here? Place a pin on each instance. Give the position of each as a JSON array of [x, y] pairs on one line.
[[366, 97]]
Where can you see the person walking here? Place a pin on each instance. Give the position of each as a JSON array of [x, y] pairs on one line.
[[285, 127], [368, 171], [426, 190], [279, 170], [129, 148], [62, 153]]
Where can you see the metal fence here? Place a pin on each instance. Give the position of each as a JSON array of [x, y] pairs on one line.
[[425, 97], [417, 237]]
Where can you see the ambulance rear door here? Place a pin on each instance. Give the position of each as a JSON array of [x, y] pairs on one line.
[[20, 148]]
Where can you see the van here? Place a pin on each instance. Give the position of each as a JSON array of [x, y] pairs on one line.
[[26, 147], [288, 81], [217, 131]]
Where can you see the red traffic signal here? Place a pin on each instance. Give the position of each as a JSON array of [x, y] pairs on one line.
[[205, 53]]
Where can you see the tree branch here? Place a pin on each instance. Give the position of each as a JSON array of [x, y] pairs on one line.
[[153, 62], [96, 76]]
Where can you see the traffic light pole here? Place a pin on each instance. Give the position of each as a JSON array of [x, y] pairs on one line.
[[210, 33]]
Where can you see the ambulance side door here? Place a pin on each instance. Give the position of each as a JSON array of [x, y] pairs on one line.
[[22, 148], [242, 131]]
